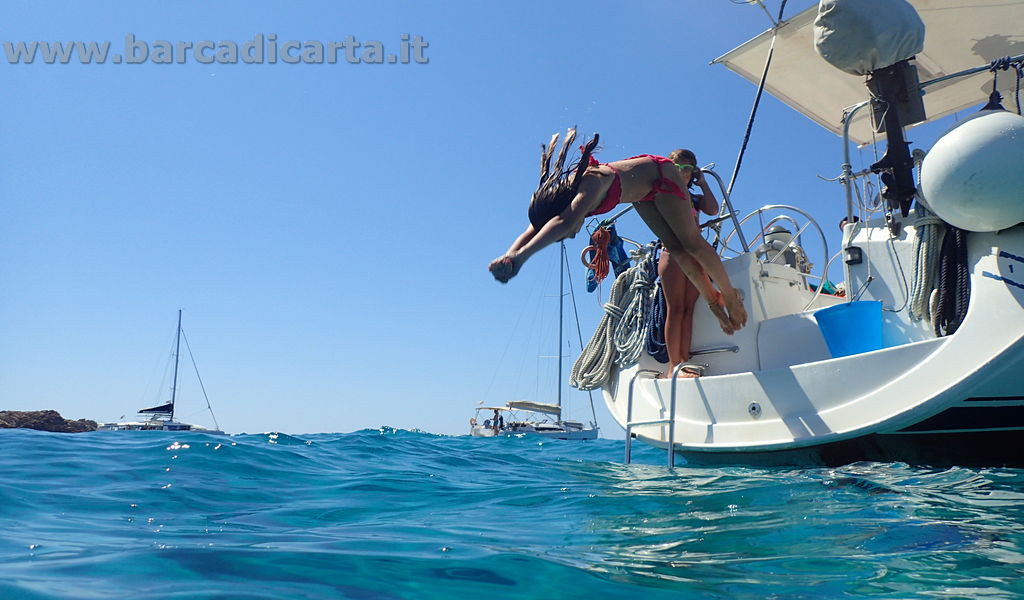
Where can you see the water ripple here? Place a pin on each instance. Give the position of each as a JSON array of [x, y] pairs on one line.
[[389, 513]]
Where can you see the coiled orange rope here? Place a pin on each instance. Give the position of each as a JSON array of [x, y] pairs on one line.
[[599, 246]]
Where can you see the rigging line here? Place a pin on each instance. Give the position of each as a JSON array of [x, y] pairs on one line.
[[1019, 68], [508, 340], [768, 14], [540, 316], [758, 3], [201, 386], [162, 386], [757, 101], [906, 286], [154, 398], [579, 333]]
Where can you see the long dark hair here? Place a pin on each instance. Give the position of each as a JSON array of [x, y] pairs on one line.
[[558, 185]]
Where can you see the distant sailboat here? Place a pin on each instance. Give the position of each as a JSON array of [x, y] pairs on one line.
[[161, 417], [522, 417]]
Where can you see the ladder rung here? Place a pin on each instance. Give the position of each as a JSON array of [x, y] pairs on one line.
[[715, 350], [654, 422]]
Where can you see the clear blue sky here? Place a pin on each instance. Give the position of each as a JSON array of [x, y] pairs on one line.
[[327, 228]]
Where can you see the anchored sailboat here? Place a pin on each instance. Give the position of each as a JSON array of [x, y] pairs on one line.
[[920, 361], [521, 417], [161, 417]]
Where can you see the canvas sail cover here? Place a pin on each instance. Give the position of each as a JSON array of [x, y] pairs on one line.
[[163, 408], [958, 36]]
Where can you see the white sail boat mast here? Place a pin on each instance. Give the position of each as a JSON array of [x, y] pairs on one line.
[[561, 315], [161, 417], [177, 350]]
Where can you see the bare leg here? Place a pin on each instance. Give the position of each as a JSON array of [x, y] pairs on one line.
[[679, 217], [689, 301], [686, 335], [680, 298], [672, 283], [689, 266], [700, 281]]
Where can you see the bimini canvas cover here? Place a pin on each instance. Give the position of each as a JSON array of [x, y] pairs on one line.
[[958, 36], [540, 407]]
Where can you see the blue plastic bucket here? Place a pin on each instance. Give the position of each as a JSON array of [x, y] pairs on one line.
[[851, 328]]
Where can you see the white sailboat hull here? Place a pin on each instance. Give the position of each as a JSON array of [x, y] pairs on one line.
[[154, 425], [533, 418], [568, 433], [780, 398]]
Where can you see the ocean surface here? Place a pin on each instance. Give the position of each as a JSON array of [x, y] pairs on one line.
[[400, 514]]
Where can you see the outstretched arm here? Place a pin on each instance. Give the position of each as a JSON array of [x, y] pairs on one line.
[[591, 192], [558, 228], [527, 244], [524, 237], [502, 267]]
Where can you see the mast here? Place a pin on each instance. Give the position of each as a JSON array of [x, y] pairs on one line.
[[177, 348], [561, 300], [579, 334]]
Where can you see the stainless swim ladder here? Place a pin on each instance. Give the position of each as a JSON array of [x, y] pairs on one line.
[[671, 420]]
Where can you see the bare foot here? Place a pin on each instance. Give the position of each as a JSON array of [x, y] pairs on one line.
[[688, 371], [737, 314], [718, 309], [691, 370]]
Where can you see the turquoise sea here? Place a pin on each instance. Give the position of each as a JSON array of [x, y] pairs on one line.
[[399, 514]]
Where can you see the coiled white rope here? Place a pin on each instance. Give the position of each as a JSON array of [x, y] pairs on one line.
[[927, 250], [617, 333], [631, 330]]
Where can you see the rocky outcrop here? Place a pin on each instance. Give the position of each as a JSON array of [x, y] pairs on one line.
[[43, 420]]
